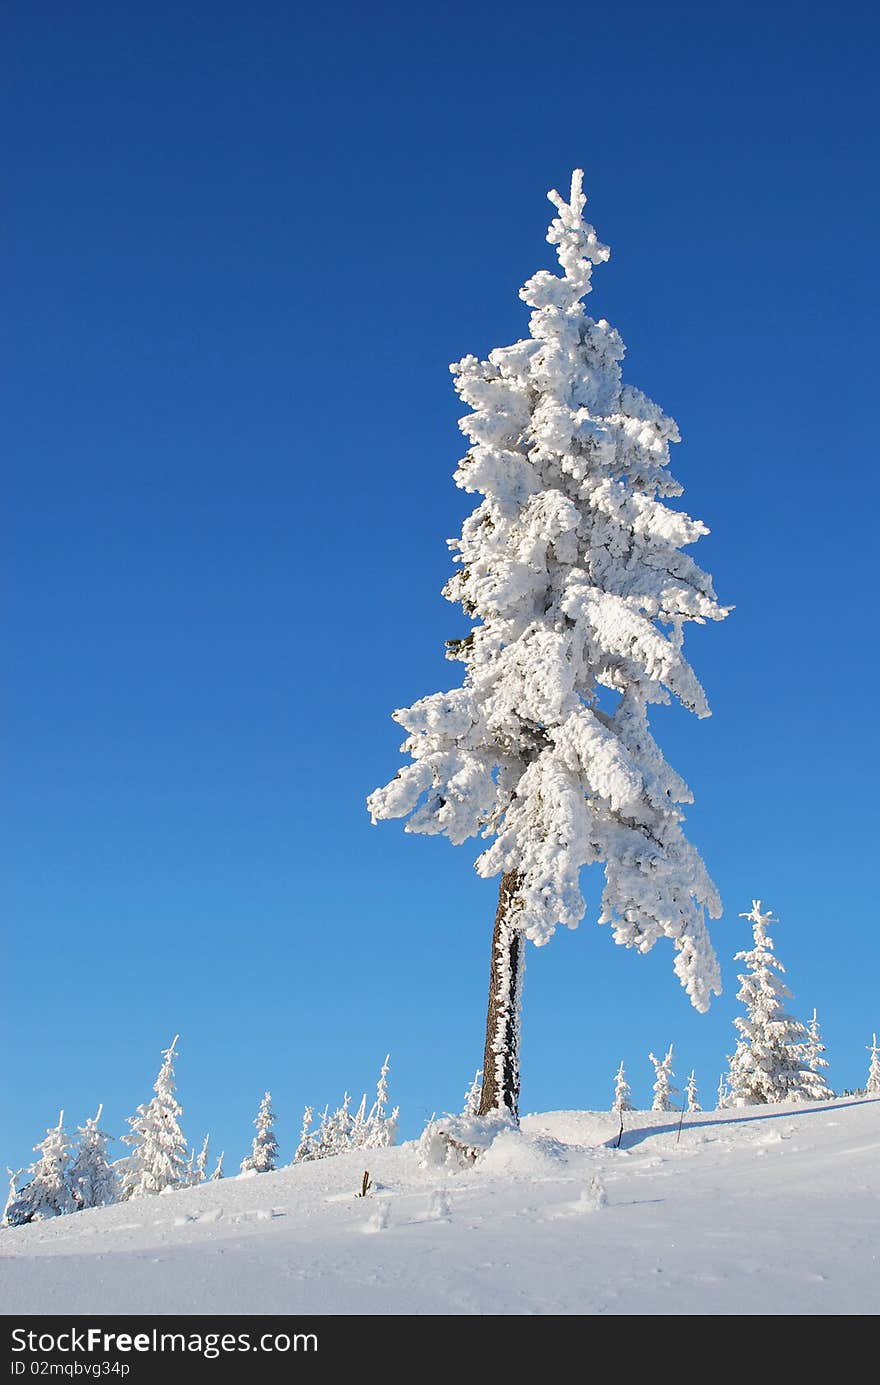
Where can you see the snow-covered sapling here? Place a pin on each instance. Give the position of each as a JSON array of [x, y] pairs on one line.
[[158, 1161], [663, 1088], [305, 1148], [218, 1169], [92, 1178], [341, 1131], [768, 1063], [872, 1086], [693, 1102], [622, 1092], [573, 573], [381, 1124], [264, 1150], [814, 1084], [473, 1095], [200, 1164], [12, 1194]]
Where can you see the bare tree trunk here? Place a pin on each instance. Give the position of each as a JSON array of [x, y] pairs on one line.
[[501, 1059]]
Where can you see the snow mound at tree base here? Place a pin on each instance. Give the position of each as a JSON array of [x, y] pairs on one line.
[[517, 1154], [493, 1144], [457, 1141]]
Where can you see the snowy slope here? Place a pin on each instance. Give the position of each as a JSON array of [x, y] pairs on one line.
[[751, 1213]]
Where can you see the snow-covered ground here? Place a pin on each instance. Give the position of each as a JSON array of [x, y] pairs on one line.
[[773, 1211]]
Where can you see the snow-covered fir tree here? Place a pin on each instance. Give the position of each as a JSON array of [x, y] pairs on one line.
[[304, 1144], [218, 1168], [264, 1150], [158, 1159], [323, 1140], [814, 1083], [723, 1095], [622, 1092], [381, 1126], [190, 1177], [768, 1064], [872, 1087], [341, 1130], [690, 1091], [92, 1178], [339, 1127], [572, 570], [473, 1094], [12, 1195], [358, 1123], [47, 1192], [663, 1088], [200, 1164]]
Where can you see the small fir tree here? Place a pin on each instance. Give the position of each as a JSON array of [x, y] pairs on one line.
[[873, 1084], [723, 1095], [218, 1169], [358, 1125], [343, 1131], [93, 1180], [158, 1159], [12, 1195], [693, 1103], [622, 1092], [814, 1084], [304, 1144], [264, 1150], [768, 1063], [200, 1167], [473, 1094], [47, 1193], [663, 1088], [381, 1124], [340, 1127]]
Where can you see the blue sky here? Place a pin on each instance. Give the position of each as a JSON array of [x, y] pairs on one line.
[[244, 243]]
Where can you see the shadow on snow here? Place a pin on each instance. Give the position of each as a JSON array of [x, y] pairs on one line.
[[631, 1138]]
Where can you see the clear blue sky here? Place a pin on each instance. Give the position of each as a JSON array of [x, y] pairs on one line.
[[244, 243]]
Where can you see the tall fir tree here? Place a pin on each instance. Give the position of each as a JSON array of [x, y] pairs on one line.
[[872, 1086], [47, 1192], [92, 1178], [622, 1092], [158, 1159], [572, 570], [768, 1065], [663, 1088], [264, 1150]]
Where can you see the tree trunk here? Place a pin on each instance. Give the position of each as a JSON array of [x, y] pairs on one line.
[[501, 1058]]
